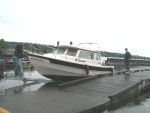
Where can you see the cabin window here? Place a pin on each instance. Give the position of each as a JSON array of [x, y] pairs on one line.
[[71, 52], [98, 56], [86, 54], [61, 51]]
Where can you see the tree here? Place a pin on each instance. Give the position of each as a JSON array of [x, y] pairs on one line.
[[3, 44]]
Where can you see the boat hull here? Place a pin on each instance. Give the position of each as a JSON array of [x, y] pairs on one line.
[[56, 69]]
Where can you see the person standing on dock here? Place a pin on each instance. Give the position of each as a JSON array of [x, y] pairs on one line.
[[127, 57], [18, 54]]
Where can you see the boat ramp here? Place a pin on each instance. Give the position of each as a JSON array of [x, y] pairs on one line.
[[87, 95]]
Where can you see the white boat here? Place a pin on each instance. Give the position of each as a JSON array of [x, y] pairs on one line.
[[69, 62]]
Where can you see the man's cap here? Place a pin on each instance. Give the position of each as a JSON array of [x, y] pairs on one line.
[[126, 48]]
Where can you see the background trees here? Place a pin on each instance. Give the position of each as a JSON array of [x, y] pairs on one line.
[[42, 48], [3, 44]]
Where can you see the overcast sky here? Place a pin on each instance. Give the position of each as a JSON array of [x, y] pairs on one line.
[[114, 24]]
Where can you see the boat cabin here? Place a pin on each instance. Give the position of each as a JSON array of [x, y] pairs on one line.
[[76, 54]]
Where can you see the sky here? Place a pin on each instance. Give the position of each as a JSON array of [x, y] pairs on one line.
[[114, 24]]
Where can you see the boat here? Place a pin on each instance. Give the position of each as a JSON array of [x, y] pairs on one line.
[[69, 62]]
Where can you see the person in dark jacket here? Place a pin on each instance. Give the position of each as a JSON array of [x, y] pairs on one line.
[[18, 54], [127, 58]]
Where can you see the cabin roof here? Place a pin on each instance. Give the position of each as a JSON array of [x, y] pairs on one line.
[[77, 47]]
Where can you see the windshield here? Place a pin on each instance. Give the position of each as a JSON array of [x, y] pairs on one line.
[[61, 51], [71, 52], [86, 55]]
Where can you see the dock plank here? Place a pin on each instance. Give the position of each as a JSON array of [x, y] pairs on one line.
[[72, 99]]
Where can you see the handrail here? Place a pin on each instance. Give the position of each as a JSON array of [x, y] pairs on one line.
[[98, 48], [34, 49], [31, 46]]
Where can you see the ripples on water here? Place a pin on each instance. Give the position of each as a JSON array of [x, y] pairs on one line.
[[12, 86], [138, 104]]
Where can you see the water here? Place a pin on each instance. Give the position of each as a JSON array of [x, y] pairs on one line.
[[138, 104], [13, 85]]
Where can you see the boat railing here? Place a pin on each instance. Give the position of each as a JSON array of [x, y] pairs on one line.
[[88, 46], [42, 49], [34, 49]]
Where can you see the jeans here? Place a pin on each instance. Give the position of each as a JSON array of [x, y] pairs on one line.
[[17, 66], [127, 66]]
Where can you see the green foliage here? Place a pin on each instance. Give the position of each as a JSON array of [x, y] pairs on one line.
[[3, 44], [49, 48], [119, 55]]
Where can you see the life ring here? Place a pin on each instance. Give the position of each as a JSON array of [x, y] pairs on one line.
[[87, 69]]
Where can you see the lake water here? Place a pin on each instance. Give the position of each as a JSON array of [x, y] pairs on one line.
[[138, 104]]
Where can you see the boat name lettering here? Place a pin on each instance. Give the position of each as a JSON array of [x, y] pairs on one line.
[[81, 60]]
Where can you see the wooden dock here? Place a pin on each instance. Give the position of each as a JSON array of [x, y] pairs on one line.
[[88, 95]]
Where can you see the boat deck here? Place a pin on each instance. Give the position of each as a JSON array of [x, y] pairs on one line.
[[82, 96]]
